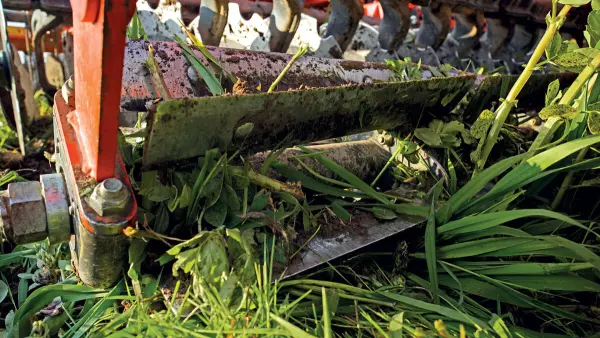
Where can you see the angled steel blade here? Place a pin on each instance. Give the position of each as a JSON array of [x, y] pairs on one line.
[[185, 128]]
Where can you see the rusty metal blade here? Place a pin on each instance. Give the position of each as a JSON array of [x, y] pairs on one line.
[[185, 128]]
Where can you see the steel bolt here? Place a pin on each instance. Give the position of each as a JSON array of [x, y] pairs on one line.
[[68, 91], [24, 213], [111, 197]]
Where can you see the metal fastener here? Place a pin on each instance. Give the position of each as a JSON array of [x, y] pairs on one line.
[[25, 212], [68, 91], [111, 197], [54, 192]]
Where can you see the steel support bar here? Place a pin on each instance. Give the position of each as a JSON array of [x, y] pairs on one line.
[[99, 37]]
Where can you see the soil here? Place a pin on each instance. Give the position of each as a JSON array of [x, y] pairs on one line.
[[331, 226]]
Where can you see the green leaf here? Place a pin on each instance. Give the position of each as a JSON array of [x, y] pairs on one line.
[[553, 48], [347, 176], [159, 193], [291, 328], [562, 110], [430, 255], [576, 60], [382, 213], [530, 169], [230, 198], [43, 296], [3, 291], [489, 220], [429, 137], [340, 212], [593, 28], [260, 201], [135, 30], [312, 184], [593, 122], [215, 215], [213, 84], [574, 3], [328, 299], [440, 310], [558, 282], [85, 323], [473, 187], [595, 4], [212, 190], [552, 91]]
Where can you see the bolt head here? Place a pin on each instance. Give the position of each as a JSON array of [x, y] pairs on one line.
[[68, 91], [26, 211], [110, 198]]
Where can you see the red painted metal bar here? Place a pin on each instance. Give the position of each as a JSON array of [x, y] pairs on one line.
[[99, 34]]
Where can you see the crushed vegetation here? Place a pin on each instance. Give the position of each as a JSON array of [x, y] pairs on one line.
[[508, 245]]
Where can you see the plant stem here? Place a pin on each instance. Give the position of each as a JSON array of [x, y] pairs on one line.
[[568, 180], [157, 74], [569, 96], [504, 110], [301, 51], [267, 182]]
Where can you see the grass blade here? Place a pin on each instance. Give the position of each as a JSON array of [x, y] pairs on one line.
[[213, 84], [430, 255], [348, 176], [292, 329], [473, 187]]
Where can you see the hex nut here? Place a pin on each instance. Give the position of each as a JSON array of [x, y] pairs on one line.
[[110, 198], [55, 196], [26, 213]]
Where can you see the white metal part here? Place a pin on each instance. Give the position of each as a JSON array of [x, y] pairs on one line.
[[162, 23]]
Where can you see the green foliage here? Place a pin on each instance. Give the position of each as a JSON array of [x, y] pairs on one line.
[[443, 135], [213, 84], [135, 30]]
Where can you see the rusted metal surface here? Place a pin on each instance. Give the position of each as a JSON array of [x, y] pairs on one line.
[[294, 117], [109, 198], [99, 38], [26, 213], [55, 196], [41, 23], [99, 247], [322, 248], [256, 68], [86, 137]]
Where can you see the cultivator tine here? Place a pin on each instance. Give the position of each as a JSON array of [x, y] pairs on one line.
[[467, 30], [496, 35], [435, 26], [284, 22], [395, 24], [213, 19], [343, 21]]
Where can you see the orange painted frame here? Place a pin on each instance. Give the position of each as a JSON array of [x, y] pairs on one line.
[[99, 30]]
